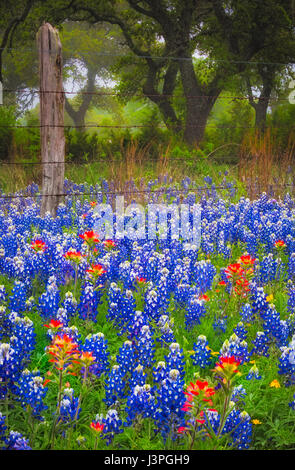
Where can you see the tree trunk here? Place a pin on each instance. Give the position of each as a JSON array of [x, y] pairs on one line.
[[261, 112], [78, 116], [260, 107], [199, 103], [163, 100], [51, 118]]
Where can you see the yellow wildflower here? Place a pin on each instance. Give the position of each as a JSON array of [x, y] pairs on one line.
[[275, 384], [256, 421]]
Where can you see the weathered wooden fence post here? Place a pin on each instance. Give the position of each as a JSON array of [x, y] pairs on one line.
[[51, 118]]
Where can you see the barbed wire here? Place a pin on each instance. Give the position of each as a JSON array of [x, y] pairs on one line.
[[135, 126], [109, 160], [146, 56], [131, 95], [163, 191]]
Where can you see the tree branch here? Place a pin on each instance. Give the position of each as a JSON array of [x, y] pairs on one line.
[[10, 30]]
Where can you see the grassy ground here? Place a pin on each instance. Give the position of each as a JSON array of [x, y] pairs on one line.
[[16, 177]]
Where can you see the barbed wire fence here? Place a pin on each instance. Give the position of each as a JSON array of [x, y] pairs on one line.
[[198, 98]]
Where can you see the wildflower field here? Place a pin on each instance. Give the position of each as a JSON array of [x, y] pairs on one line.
[[147, 344]]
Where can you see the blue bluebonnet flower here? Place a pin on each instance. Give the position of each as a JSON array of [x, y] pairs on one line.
[[292, 403], [115, 385], [153, 308], [16, 441], [139, 320], [287, 362], [70, 304], [10, 368], [212, 418], [235, 347], [160, 372], [49, 301], [62, 316], [261, 344], [30, 304], [291, 297], [23, 337], [274, 327], [195, 310], [140, 403], [115, 302], [17, 300], [182, 293], [2, 426], [291, 266], [3, 294], [220, 324], [138, 377], [69, 406], [259, 300], [268, 268], [241, 331], [98, 345], [145, 347], [89, 302], [31, 391], [170, 400], [202, 356], [246, 313], [126, 357], [4, 324], [290, 321], [253, 373], [203, 275], [175, 359], [165, 324], [239, 427], [238, 394], [112, 425]]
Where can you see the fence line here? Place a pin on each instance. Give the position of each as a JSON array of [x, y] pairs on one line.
[[136, 126], [164, 191], [145, 56], [107, 160], [131, 95]]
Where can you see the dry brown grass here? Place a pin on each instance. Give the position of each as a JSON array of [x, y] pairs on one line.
[[135, 162], [265, 167]]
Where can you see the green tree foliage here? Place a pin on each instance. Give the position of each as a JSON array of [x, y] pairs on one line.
[[179, 55], [165, 34]]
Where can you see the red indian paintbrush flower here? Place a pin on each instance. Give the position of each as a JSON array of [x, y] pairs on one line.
[[54, 324], [247, 260], [227, 366], [182, 430], [38, 246], [86, 358], [64, 352], [280, 244], [97, 427], [241, 287], [234, 270], [109, 244], [74, 256], [90, 237], [204, 297], [200, 389], [96, 271]]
